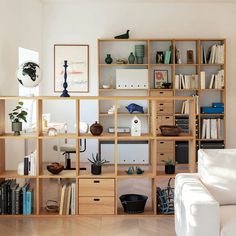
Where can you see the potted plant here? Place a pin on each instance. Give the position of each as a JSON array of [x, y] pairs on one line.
[[96, 167], [169, 166], [17, 116]]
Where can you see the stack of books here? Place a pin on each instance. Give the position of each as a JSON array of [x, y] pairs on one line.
[[186, 81], [15, 200], [185, 106], [213, 128], [215, 54], [67, 203], [217, 80], [30, 164]]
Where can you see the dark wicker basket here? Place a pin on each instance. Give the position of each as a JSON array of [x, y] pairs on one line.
[[170, 130], [133, 203]]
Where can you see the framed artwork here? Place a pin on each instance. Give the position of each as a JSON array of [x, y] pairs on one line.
[[189, 56], [77, 56], [160, 77]]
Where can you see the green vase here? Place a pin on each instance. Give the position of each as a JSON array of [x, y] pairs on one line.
[[108, 59], [131, 58]]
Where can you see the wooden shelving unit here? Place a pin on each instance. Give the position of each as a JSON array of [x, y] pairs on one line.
[[111, 172]]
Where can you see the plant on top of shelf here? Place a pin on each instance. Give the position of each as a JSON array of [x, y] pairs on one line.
[[97, 162], [17, 116], [169, 166]]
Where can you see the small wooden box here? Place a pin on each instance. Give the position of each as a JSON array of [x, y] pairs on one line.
[[163, 146], [160, 93], [164, 156], [96, 205]]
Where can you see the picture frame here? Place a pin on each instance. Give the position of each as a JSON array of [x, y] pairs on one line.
[[190, 57], [160, 77], [160, 57], [77, 56]]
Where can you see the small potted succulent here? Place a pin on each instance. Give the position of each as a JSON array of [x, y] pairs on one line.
[[17, 116], [97, 162], [169, 166]]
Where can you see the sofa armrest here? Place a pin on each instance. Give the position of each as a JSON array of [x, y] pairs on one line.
[[196, 211]]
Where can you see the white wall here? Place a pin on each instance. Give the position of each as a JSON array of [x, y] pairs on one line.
[[84, 23], [20, 27]]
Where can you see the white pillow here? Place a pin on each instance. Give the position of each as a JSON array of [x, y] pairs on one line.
[[217, 171]]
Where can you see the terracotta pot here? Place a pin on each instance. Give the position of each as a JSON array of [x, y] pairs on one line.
[[96, 129]]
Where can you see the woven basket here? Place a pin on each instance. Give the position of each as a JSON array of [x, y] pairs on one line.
[[170, 130]]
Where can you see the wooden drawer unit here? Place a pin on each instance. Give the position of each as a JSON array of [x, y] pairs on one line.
[[164, 156], [163, 146], [160, 93], [96, 187], [96, 205], [163, 120], [165, 108]]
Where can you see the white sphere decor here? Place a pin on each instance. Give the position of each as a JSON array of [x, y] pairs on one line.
[[29, 75]]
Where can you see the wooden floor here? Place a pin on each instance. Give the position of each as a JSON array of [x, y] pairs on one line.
[[88, 226]]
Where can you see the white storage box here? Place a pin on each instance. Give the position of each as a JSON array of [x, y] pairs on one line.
[[131, 79]]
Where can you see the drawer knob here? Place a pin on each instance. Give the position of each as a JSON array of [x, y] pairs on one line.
[[161, 110], [162, 142], [161, 104], [96, 199], [96, 181], [162, 154], [161, 92]]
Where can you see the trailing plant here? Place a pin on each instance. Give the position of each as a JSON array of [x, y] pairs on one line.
[[19, 113], [169, 162], [97, 160]]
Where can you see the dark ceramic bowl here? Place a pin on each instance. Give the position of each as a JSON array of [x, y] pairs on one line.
[[55, 168]]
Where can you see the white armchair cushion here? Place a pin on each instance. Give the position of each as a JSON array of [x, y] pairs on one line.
[[196, 211], [217, 171], [228, 220]]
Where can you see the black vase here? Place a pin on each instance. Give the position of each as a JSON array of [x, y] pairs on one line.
[[108, 59], [96, 170], [169, 169]]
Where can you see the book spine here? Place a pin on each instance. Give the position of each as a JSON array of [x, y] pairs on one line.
[[9, 199], [2, 199], [17, 199], [26, 166]]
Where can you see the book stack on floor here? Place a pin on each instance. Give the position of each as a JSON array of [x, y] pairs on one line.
[[215, 54], [30, 164], [15, 200], [67, 203], [186, 81], [213, 128]]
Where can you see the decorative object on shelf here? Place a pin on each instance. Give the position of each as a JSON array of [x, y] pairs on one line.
[[20, 168], [96, 167], [121, 61], [111, 110], [29, 75], [133, 203], [166, 85], [77, 57], [160, 77], [169, 166], [139, 53], [55, 168], [52, 131], [123, 36], [130, 171], [119, 130], [177, 56], [52, 206], [160, 57], [139, 171], [65, 85], [108, 59], [96, 129], [133, 107], [135, 126], [17, 116], [106, 86], [170, 130], [131, 58], [190, 59], [165, 199]]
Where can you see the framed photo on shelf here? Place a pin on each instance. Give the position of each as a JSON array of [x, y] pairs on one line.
[[160, 77], [77, 56]]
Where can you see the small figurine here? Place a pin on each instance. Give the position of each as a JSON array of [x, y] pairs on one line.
[[130, 171], [134, 107], [139, 171], [123, 36]]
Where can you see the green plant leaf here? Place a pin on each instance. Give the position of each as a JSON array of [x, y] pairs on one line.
[[21, 103]]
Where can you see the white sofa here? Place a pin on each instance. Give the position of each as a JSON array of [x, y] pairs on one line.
[[205, 202]]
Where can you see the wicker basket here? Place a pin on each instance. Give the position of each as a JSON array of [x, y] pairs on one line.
[[170, 130]]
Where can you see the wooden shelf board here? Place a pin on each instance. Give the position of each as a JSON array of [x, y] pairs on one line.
[[114, 89], [159, 65], [124, 114], [102, 136], [212, 64], [157, 89], [210, 140], [9, 174], [124, 175], [126, 65], [64, 174], [62, 136], [211, 114], [207, 90], [22, 136], [183, 137], [185, 64], [129, 137]]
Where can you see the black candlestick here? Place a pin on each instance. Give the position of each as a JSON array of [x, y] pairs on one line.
[[65, 85]]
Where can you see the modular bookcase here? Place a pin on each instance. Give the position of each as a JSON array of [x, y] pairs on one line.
[[94, 194]]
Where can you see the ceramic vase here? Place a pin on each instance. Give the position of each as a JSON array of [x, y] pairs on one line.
[[108, 59], [131, 58]]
